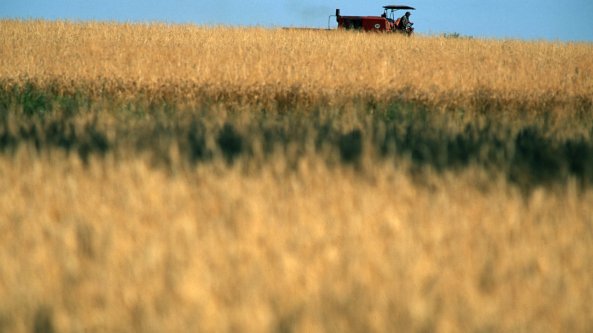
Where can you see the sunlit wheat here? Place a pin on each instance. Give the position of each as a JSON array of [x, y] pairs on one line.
[[175, 178]]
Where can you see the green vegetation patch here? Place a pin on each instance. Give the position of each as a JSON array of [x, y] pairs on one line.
[[530, 147]]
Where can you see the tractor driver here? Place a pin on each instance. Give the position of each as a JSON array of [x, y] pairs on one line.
[[404, 21]]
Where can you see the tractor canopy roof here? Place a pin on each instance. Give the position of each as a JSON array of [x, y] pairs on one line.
[[392, 7]]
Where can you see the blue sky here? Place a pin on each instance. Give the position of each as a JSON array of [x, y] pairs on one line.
[[569, 20]]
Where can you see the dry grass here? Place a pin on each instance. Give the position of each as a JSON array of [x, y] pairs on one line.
[[119, 210], [211, 249], [186, 64]]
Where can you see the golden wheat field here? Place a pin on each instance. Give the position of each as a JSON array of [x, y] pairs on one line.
[[211, 179]]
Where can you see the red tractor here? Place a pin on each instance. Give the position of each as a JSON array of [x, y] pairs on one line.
[[387, 22]]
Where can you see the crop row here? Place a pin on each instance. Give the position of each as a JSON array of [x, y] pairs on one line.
[[530, 151]]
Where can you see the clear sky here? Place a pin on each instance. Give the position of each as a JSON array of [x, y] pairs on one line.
[[568, 20]]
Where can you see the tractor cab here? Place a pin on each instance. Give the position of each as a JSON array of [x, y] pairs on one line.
[[387, 22], [389, 12]]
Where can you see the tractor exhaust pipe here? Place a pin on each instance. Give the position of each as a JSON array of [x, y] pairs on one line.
[[337, 18]]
